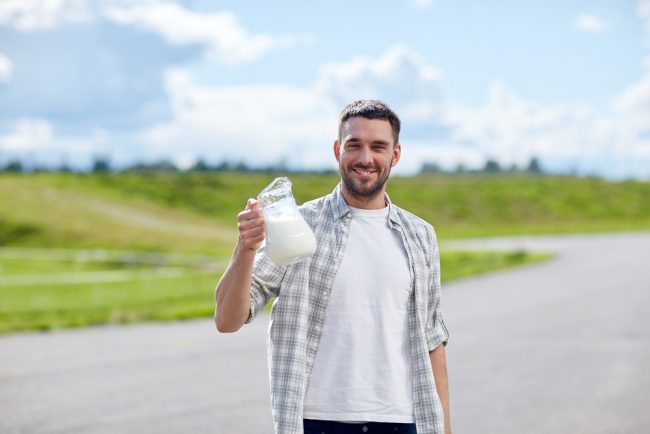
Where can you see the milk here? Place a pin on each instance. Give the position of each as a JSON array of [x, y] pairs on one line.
[[289, 239]]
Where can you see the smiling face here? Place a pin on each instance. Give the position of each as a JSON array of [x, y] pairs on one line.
[[366, 152]]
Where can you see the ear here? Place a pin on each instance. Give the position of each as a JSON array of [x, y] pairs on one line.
[[397, 152], [337, 150]]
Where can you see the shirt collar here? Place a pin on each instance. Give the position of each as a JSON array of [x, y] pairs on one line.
[[341, 208]]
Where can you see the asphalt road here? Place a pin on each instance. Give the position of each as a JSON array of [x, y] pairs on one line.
[[561, 347]]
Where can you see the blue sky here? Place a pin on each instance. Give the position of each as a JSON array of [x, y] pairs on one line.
[[263, 82]]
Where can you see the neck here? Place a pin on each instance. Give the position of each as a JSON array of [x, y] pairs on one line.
[[377, 201]]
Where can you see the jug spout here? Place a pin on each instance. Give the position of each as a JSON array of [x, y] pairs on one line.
[[277, 190]]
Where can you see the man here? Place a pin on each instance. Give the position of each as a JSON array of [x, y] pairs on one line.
[[357, 341]]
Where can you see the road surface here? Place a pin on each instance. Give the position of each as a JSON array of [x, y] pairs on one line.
[[558, 347]]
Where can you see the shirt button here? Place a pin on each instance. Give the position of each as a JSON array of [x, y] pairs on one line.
[[365, 429]]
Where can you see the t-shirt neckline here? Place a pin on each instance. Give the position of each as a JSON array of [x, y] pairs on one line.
[[369, 213]]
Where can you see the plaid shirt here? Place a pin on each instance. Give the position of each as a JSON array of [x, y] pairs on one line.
[[301, 292]]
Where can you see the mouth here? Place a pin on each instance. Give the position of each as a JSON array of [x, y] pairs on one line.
[[364, 173]]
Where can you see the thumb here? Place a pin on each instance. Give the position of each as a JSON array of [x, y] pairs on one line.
[[252, 204]]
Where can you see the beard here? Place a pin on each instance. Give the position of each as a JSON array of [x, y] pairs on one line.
[[365, 191]]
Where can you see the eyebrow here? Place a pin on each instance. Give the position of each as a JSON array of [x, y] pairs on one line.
[[374, 142]]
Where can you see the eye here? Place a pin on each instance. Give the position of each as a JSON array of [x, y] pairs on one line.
[[352, 145], [379, 147]]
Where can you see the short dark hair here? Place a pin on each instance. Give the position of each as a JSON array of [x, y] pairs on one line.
[[370, 109]]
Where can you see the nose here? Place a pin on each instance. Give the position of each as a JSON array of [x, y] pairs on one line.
[[365, 155]]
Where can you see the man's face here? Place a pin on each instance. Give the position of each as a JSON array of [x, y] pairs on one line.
[[366, 153]]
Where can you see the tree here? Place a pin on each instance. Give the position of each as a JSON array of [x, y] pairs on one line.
[[430, 168], [534, 166], [14, 166], [200, 166], [101, 165], [491, 166], [460, 168]]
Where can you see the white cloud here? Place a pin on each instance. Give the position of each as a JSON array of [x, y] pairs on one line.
[[636, 98], [399, 76], [512, 130], [36, 137], [262, 124], [266, 124], [27, 135], [6, 68], [632, 111], [631, 108], [590, 23], [107, 74], [29, 15], [221, 33]]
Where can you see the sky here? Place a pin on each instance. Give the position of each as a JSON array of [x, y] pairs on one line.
[[263, 82]]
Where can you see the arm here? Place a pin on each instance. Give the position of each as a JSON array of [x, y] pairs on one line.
[[439, 366], [233, 291], [437, 335]]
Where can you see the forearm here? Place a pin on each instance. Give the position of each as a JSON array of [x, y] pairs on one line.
[[233, 291], [439, 366]]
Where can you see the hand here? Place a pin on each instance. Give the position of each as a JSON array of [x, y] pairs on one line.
[[250, 224]]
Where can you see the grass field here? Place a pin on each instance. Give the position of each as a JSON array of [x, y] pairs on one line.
[[81, 288], [90, 249], [195, 212], [53, 211]]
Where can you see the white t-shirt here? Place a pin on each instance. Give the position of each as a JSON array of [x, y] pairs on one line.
[[363, 369]]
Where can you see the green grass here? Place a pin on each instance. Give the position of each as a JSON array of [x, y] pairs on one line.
[[457, 265], [66, 211], [141, 295], [195, 212], [122, 217], [481, 205], [466, 205], [45, 307]]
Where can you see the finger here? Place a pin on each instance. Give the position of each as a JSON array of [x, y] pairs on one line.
[[250, 229], [251, 239], [252, 214], [244, 222], [257, 239], [251, 232]]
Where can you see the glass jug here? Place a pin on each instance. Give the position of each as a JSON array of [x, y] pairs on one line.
[[288, 237]]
